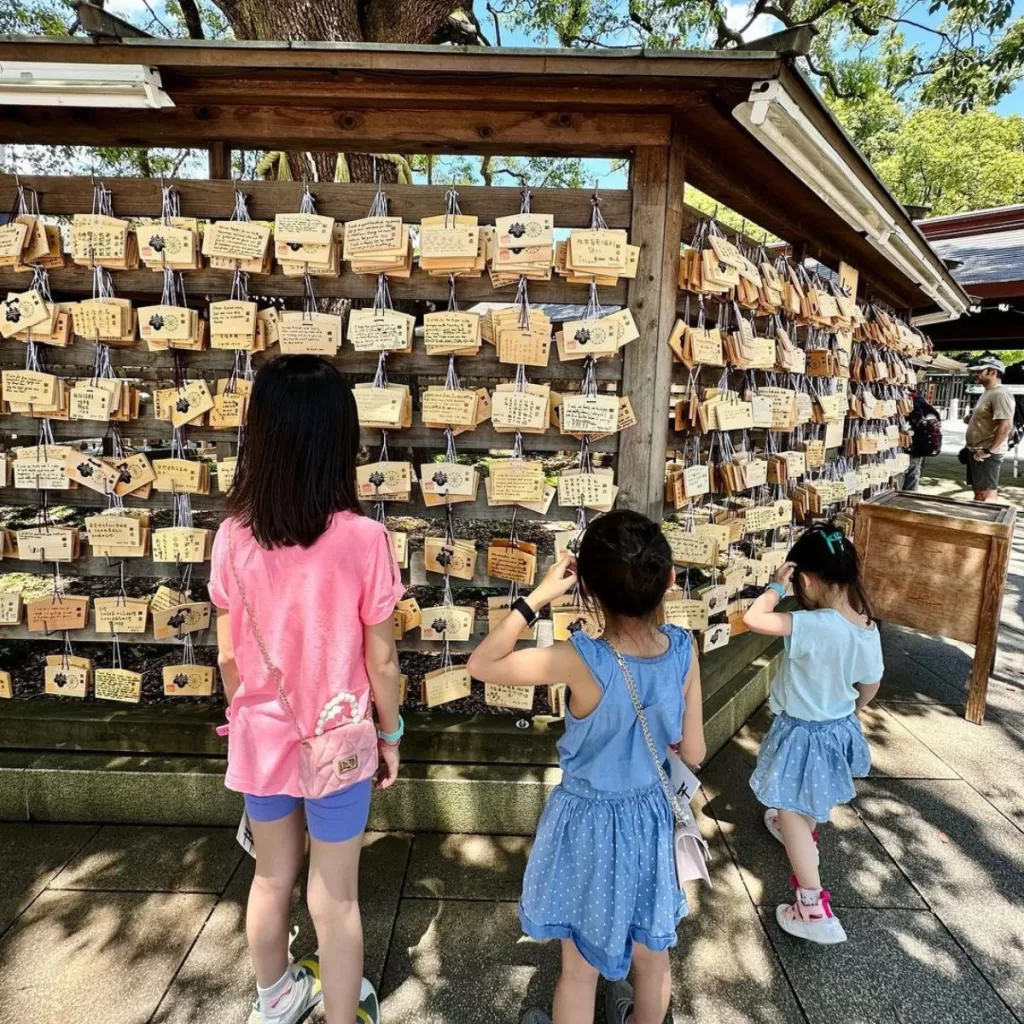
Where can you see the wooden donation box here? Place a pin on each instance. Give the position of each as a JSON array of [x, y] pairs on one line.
[[939, 565]]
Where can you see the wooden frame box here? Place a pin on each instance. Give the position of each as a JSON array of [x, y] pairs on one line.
[[939, 565]]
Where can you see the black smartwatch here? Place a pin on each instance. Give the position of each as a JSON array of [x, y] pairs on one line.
[[521, 605]]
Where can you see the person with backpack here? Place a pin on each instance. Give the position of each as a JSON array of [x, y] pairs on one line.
[[926, 439], [989, 429]]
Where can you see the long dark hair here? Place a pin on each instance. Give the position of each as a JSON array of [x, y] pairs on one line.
[[825, 552], [624, 563], [298, 464]]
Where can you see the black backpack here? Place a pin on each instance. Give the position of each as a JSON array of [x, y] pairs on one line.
[[1017, 430], [927, 430]]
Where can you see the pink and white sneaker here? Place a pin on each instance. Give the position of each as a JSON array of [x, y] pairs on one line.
[[813, 922], [771, 822]]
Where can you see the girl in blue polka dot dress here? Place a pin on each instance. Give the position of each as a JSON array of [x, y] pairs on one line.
[[815, 747], [602, 876]]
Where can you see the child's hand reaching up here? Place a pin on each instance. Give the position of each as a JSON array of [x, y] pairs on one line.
[[784, 574], [558, 580]]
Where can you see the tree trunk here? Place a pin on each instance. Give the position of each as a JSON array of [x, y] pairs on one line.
[[379, 21]]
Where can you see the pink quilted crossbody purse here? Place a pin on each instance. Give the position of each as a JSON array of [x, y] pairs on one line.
[[339, 753]]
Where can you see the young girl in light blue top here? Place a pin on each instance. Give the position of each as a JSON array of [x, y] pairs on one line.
[[815, 747], [602, 876]]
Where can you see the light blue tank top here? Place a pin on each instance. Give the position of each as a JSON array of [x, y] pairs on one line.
[[607, 748]]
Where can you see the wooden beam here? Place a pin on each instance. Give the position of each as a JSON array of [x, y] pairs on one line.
[[140, 197], [620, 69], [352, 130], [219, 160], [137, 361], [143, 283], [483, 438], [657, 184]]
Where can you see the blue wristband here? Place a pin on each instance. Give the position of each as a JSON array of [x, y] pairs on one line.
[[778, 588], [392, 738]]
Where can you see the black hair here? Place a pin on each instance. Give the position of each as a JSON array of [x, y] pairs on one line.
[[825, 552], [624, 563], [297, 466]]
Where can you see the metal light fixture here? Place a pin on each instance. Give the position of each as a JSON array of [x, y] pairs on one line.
[[40, 84], [775, 119]]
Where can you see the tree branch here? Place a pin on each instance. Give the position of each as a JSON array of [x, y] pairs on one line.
[[497, 25], [831, 79], [192, 18]]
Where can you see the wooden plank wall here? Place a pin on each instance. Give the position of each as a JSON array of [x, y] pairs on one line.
[[214, 199]]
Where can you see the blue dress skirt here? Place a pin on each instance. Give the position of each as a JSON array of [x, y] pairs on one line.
[[602, 873], [809, 767]]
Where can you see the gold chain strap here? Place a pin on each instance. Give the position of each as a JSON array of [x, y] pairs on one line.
[[272, 670], [681, 815]]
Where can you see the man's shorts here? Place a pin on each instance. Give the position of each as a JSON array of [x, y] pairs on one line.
[[984, 475]]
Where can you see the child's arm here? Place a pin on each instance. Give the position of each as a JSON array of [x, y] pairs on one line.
[[761, 616], [226, 655], [382, 667], [381, 658], [497, 661], [866, 694], [692, 748]]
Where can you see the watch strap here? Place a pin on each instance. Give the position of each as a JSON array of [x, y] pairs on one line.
[[522, 606], [778, 588], [391, 738]]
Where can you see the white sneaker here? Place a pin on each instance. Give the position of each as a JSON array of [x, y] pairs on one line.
[[307, 995], [369, 1004], [815, 923]]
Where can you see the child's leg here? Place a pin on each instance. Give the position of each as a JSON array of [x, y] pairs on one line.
[[576, 989], [336, 826], [652, 985], [280, 847], [798, 835]]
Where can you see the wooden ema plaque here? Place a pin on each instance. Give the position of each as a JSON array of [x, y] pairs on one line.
[[518, 697], [444, 685], [187, 680], [118, 684], [48, 614]]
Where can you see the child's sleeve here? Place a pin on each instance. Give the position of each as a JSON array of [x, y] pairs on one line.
[[800, 643], [382, 582], [220, 570]]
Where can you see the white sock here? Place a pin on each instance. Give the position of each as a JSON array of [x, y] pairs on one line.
[[279, 998]]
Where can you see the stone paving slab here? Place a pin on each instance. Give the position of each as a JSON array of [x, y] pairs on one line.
[[96, 957], [967, 860], [853, 865], [990, 757], [897, 967], [30, 857], [216, 982], [464, 961], [895, 751], [908, 680], [724, 968], [467, 867], [140, 859]]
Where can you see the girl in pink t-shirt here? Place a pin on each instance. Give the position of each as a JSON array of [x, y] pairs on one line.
[[304, 582]]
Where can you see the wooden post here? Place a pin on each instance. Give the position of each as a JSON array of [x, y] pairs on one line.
[[657, 178], [220, 160], [989, 615]]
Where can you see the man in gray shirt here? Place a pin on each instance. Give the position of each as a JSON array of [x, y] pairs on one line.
[[988, 428]]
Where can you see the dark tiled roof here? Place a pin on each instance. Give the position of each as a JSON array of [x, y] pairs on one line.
[[985, 258]]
